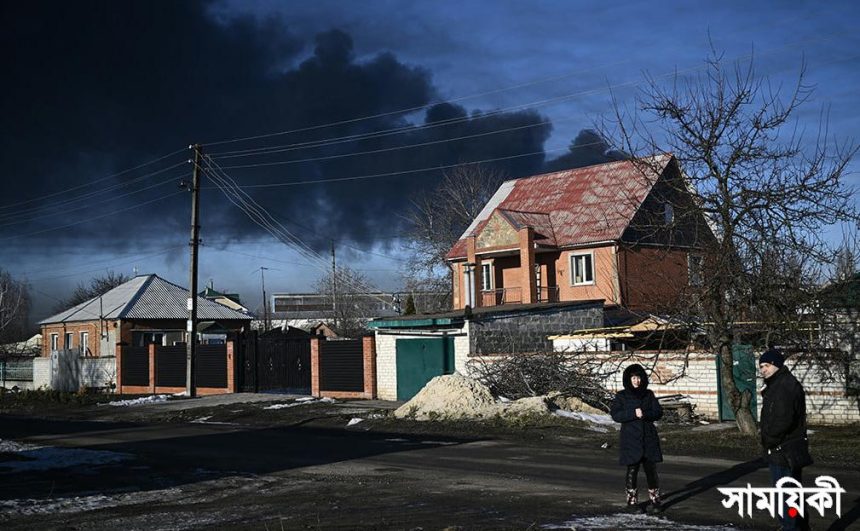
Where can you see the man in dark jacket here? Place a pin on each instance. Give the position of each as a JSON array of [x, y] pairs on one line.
[[636, 408], [783, 425]]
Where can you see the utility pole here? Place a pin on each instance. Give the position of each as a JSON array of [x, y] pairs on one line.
[[265, 301], [191, 347], [333, 285]]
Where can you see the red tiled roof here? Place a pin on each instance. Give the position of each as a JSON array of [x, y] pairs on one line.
[[579, 206]]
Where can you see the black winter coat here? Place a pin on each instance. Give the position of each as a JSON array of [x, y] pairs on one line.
[[783, 421], [638, 436]]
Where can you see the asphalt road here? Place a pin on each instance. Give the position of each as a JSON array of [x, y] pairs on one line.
[[191, 475]]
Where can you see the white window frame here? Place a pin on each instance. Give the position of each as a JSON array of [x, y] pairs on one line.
[[487, 280], [85, 341], [691, 257], [572, 264], [55, 342], [67, 341]]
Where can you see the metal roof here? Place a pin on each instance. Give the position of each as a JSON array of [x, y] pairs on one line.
[[144, 297], [579, 206]]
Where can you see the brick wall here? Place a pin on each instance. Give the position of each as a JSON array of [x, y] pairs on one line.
[[369, 367], [61, 329], [826, 399]]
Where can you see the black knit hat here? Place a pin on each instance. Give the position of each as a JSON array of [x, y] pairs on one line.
[[772, 356]]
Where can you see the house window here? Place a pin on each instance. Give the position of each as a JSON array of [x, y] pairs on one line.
[[668, 213], [142, 339], [695, 269], [486, 276], [68, 344], [55, 342], [582, 267], [85, 342]]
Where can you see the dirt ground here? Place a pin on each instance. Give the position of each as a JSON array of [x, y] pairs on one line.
[[243, 466]]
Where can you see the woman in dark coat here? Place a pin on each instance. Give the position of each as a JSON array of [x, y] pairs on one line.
[[636, 408]]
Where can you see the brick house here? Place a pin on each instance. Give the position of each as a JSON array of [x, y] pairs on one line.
[[146, 309], [625, 232]]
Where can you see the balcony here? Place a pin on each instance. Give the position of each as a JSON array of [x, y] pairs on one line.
[[497, 297], [547, 294]]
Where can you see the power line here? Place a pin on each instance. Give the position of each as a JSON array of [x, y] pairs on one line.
[[387, 174], [91, 218], [137, 258], [42, 197], [281, 149], [262, 217], [413, 109], [410, 128], [37, 216], [133, 255]]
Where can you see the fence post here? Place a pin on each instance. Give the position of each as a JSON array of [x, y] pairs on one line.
[[152, 372], [231, 373], [119, 369], [368, 347], [315, 366]]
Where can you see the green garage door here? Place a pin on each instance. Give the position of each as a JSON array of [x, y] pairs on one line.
[[419, 360]]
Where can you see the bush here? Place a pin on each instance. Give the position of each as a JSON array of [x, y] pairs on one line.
[[518, 376]]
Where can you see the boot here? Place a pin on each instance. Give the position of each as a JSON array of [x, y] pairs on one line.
[[633, 499], [656, 500]]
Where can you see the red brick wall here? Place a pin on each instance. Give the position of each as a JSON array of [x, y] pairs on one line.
[[653, 278], [369, 367], [61, 329]]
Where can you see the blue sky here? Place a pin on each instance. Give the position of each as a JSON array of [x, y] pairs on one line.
[[98, 89]]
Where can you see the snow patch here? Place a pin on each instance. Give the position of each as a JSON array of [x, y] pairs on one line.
[[154, 399], [38, 458], [629, 521], [354, 421], [301, 402], [12, 446]]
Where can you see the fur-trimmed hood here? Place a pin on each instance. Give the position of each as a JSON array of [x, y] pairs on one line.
[[629, 372]]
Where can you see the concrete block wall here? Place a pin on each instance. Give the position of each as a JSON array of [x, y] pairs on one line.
[[98, 372], [386, 358], [528, 331], [42, 373]]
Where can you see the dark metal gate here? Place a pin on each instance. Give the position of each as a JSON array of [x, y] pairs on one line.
[[275, 363], [342, 365]]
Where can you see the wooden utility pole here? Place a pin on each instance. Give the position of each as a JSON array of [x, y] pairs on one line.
[[333, 286], [265, 301], [191, 348]]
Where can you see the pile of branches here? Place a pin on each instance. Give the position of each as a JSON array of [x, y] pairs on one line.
[[522, 375]]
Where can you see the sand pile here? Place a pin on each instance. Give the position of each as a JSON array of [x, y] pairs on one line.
[[455, 396], [451, 396]]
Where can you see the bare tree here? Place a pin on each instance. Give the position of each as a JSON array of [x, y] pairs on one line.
[[438, 219], [14, 309], [97, 286], [350, 301], [766, 193]]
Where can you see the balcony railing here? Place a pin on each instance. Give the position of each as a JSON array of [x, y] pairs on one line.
[[497, 297], [547, 294]]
